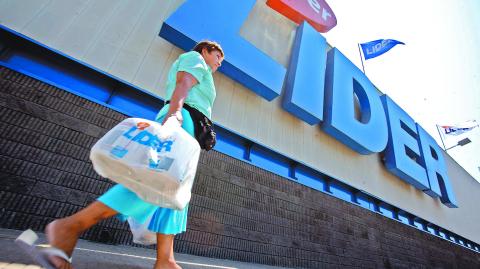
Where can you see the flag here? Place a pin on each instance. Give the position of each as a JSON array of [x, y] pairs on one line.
[[458, 129], [376, 48]]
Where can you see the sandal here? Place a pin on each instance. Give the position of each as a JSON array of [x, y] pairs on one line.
[[40, 253]]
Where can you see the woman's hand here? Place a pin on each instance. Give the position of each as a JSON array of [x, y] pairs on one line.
[[177, 115]]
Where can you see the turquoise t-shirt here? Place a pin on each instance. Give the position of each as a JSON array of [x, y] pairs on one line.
[[202, 95]]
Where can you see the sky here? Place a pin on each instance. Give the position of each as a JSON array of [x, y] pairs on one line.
[[435, 76]]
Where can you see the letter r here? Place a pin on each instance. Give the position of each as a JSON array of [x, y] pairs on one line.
[[434, 162]]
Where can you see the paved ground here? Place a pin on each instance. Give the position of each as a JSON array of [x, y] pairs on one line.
[[94, 255]]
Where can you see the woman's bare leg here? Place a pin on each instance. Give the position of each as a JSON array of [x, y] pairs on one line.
[[64, 233], [165, 259]]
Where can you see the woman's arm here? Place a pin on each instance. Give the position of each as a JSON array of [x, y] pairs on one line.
[[185, 81]]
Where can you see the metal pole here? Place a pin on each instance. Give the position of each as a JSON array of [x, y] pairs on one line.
[[361, 57], [451, 147], [441, 138]]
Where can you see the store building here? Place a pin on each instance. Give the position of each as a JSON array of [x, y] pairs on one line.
[[314, 166]]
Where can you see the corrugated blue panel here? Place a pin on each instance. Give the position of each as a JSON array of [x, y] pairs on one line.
[[230, 144], [387, 211], [419, 224], [403, 217], [269, 160], [341, 191], [310, 178], [364, 201], [85, 84], [443, 234], [431, 230]]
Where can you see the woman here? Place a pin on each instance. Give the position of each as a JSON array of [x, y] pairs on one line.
[[189, 82]]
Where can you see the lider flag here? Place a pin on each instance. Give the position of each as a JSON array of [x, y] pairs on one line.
[[376, 48], [461, 128]]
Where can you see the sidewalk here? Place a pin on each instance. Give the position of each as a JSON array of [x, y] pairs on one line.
[[96, 256]]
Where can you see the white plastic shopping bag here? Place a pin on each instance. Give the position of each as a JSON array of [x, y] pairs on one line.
[[156, 162], [140, 232]]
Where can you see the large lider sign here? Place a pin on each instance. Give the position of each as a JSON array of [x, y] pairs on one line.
[[319, 89]]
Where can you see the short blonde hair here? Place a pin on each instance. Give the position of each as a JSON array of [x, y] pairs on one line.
[[209, 45]]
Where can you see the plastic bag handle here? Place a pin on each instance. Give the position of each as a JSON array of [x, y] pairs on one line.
[[172, 122]]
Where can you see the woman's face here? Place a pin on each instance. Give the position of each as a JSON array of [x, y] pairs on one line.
[[213, 59]]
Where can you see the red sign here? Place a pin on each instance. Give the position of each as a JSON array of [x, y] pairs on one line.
[[316, 12]]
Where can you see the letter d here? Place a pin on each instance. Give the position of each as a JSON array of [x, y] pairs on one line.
[[343, 80]]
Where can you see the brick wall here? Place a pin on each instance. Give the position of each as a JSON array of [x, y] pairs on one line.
[[237, 212]]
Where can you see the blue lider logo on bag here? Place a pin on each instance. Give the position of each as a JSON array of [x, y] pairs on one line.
[[148, 139], [166, 145]]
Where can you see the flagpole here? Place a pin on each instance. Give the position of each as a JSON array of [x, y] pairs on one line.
[[444, 148], [361, 58]]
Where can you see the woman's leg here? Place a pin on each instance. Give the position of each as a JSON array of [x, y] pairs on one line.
[[165, 259], [64, 233]]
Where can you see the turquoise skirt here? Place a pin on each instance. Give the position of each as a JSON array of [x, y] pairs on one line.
[[128, 204]]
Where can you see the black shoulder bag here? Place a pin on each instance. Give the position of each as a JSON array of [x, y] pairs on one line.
[[204, 132]]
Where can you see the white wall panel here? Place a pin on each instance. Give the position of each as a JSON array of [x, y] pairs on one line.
[[53, 20], [238, 109], [132, 52], [264, 125], [152, 61], [20, 13], [252, 114], [113, 36], [87, 28], [153, 66], [162, 79], [226, 96]]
